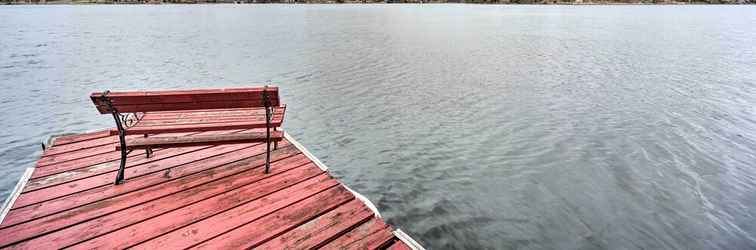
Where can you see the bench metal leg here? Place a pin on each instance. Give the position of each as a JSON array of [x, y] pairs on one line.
[[124, 153], [267, 159], [121, 137], [266, 100], [267, 141]]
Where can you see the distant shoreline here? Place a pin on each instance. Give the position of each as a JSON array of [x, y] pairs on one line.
[[482, 2]]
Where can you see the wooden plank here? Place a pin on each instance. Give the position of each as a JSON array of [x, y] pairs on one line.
[[191, 121], [192, 105], [142, 101], [168, 223], [60, 149], [144, 221], [259, 231], [57, 159], [106, 179], [54, 177], [213, 111], [112, 203], [110, 140], [63, 167], [75, 169], [206, 119], [222, 91], [80, 169], [207, 113], [370, 227], [197, 140], [399, 245], [377, 240], [321, 230], [191, 98], [144, 183], [82, 163], [203, 127], [215, 225], [51, 160], [67, 139]]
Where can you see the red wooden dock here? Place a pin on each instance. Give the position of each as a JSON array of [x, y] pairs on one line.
[[209, 197]]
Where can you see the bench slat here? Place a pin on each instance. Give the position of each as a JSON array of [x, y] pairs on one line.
[[189, 91], [151, 119], [198, 140], [199, 127], [182, 106], [146, 101]]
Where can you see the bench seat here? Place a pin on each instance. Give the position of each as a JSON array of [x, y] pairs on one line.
[[200, 140], [203, 120]]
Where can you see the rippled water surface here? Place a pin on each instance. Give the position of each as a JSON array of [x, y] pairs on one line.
[[470, 126]]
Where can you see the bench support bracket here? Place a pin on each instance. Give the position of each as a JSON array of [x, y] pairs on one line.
[[266, 103], [121, 137]]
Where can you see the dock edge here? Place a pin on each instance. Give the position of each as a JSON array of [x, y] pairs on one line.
[[398, 232], [20, 185]]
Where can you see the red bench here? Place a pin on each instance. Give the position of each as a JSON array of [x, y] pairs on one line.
[[180, 111]]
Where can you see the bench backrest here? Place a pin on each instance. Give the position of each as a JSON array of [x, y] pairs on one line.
[[147, 101]]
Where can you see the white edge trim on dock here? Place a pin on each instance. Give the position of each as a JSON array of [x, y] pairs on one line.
[[398, 232], [16, 192], [21, 184], [305, 152], [322, 166], [408, 240]]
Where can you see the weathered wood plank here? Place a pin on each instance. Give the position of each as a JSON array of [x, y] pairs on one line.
[[197, 140], [67, 139], [111, 203], [81, 163], [83, 146], [370, 227], [88, 166], [106, 179], [188, 95], [398, 245], [61, 158], [220, 223], [60, 149], [206, 120], [164, 182], [72, 169], [174, 210], [144, 101], [259, 231], [187, 91], [55, 177], [186, 106], [206, 113], [377, 240], [154, 117], [321, 230], [187, 217], [202, 127]]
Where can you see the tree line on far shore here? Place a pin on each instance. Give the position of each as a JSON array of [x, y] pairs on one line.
[[383, 1]]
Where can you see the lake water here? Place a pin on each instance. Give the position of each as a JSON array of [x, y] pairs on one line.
[[469, 126]]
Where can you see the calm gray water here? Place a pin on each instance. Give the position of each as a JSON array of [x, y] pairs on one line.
[[470, 126]]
